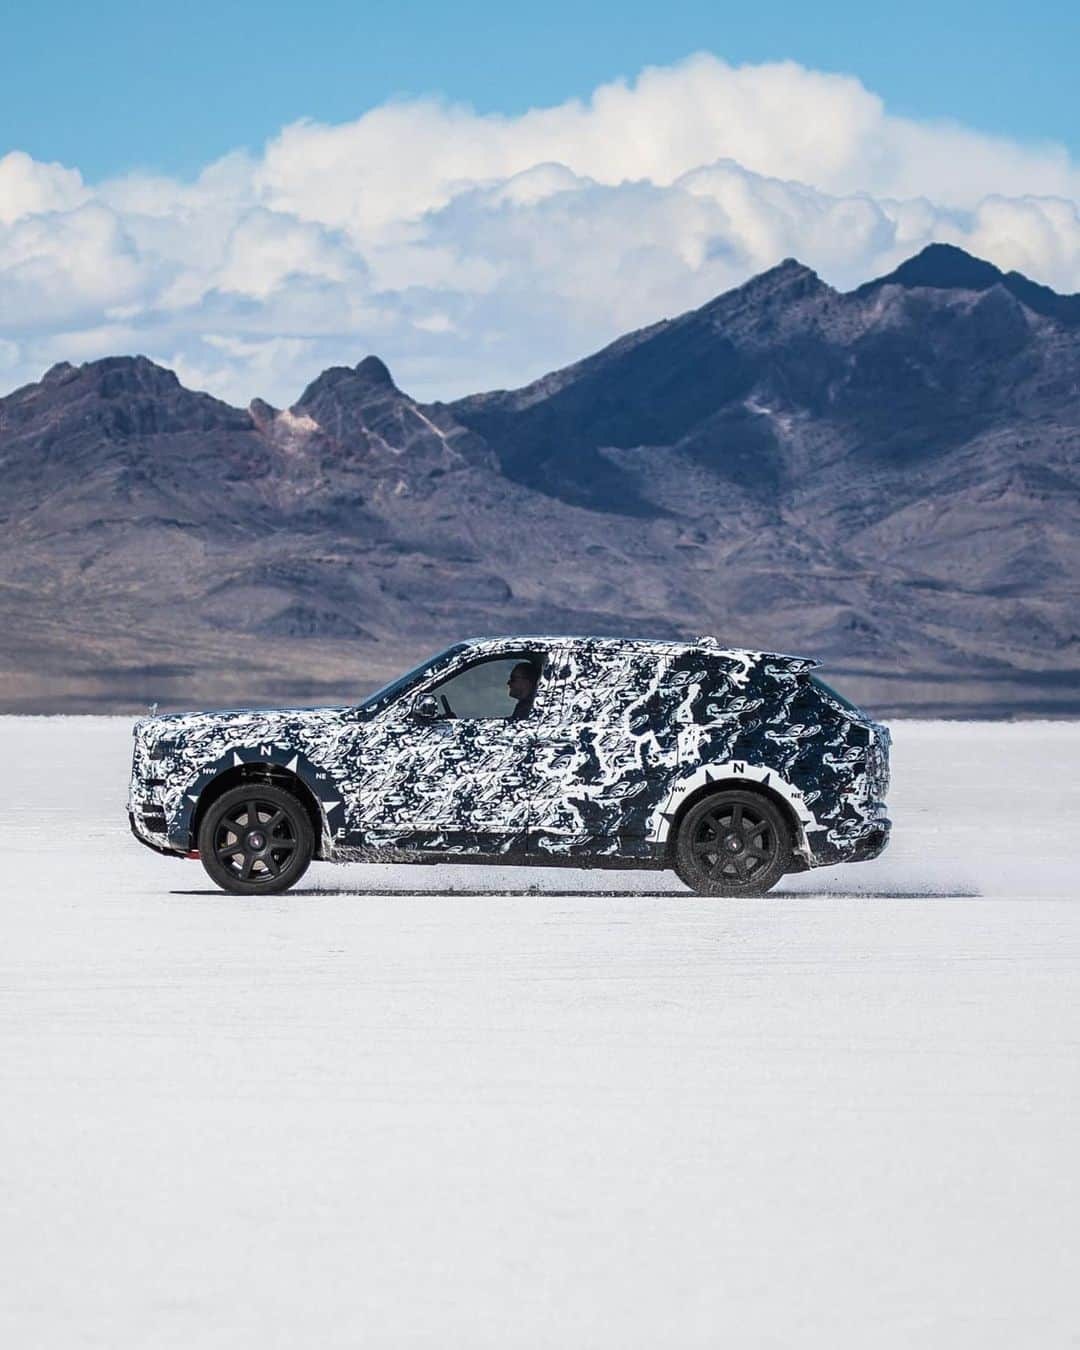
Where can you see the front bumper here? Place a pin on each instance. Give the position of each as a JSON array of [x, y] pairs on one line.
[[162, 847]]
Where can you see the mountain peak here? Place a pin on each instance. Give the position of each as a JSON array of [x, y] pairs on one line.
[[942, 267], [349, 384], [134, 375], [789, 266], [786, 272], [60, 373], [373, 371], [789, 280], [124, 397]]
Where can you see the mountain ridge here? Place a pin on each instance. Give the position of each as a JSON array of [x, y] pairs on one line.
[[946, 267], [886, 477]]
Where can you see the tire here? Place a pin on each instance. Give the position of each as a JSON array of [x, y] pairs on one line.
[[751, 844], [262, 857]]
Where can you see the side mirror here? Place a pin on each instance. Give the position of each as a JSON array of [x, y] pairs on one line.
[[426, 707]]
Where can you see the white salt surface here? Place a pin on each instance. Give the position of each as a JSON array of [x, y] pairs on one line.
[[845, 1115]]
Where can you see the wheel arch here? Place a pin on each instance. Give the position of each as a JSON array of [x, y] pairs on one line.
[[746, 778], [238, 774], [317, 789]]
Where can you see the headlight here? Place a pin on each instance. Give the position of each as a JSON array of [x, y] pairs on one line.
[[162, 749]]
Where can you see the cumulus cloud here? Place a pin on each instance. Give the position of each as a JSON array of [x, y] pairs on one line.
[[28, 188], [474, 251], [66, 267]]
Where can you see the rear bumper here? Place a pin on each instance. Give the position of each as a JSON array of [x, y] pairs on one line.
[[872, 844], [859, 844]]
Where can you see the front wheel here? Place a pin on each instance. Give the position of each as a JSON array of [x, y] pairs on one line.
[[733, 843], [256, 840]]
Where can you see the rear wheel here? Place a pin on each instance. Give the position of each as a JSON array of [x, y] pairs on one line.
[[256, 840], [733, 843]]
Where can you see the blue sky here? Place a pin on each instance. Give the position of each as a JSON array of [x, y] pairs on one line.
[[121, 85], [483, 192]]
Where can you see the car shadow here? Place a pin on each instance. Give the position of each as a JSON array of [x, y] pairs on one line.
[[537, 893]]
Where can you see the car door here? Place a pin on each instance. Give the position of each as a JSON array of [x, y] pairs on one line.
[[604, 760], [461, 780]]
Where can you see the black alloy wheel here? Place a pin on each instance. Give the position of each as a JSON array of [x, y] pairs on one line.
[[256, 840], [733, 843]]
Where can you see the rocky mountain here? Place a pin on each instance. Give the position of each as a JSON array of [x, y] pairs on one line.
[[888, 479]]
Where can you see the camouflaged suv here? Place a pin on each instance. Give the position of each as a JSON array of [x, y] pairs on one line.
[[731, 767]]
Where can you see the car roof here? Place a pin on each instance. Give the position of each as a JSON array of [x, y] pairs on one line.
[[706, 642], [569, 639]]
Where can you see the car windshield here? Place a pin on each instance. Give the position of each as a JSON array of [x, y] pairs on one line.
[[381, 697]]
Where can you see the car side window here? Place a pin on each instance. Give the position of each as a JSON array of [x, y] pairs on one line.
[[501, 688]]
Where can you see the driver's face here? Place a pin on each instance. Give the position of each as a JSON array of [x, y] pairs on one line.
[[520, 684]]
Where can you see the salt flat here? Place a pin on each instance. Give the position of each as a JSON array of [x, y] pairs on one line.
[[844, 1115]]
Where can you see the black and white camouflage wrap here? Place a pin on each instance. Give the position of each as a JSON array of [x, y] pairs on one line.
[[621, 734]]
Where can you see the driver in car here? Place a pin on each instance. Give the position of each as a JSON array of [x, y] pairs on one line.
[[521, 686]]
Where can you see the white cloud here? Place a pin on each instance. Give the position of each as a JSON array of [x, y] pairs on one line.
[[1037, 236], [473, 251], [777, 120], [63, 267], [28, 187]]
